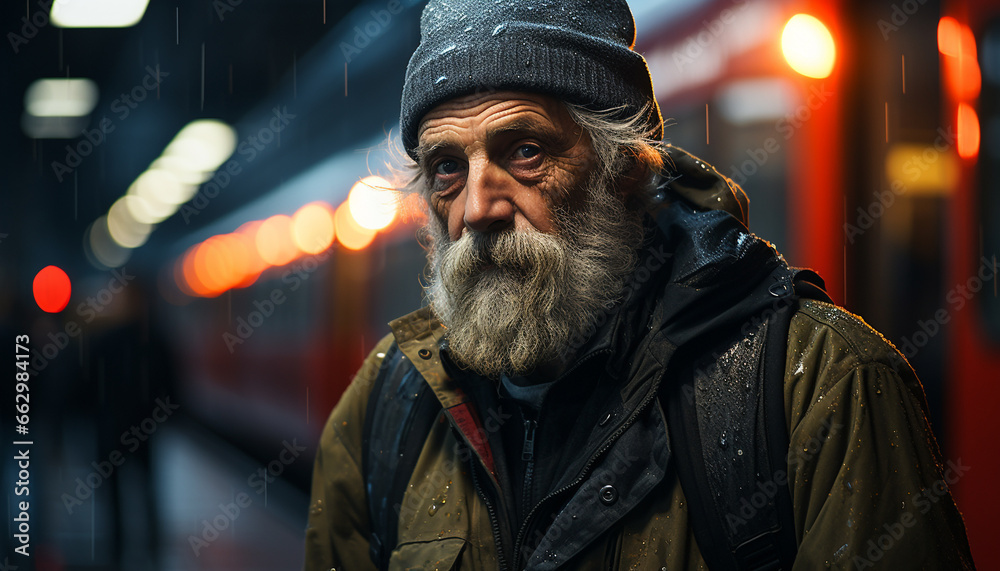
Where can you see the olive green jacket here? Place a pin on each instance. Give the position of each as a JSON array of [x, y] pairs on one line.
[[868, 486]]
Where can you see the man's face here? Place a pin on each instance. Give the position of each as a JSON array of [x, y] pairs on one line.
[[529, 243], [501, 160]]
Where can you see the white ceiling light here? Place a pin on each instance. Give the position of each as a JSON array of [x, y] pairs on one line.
[[70, 97], [98, 13], [203, 145], [147, 211], [182, 169], [162, 186], [124, 229]]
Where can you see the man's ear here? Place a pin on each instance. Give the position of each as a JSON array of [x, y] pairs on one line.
[[632, 182]]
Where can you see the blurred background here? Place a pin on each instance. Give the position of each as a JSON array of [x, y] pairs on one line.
[[199, 238]]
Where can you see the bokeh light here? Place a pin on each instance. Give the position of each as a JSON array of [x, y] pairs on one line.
[[202, 145], [313, 228], [125, 230], [968, 131], [349, 233], [960, 68], [808, 46], [373, 203], [274, 241], [52, 289]]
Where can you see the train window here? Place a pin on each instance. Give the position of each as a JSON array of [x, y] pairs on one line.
[[989, 173]]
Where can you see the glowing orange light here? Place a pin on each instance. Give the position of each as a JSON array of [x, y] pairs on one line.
[[349, 232], [313, 228], [968, 131], [960, 69], [373, 203], [247, 234], [236, 268], [955, 39], [274, 241], [190, 272], [52, 289], [808, 46], [949, 36], [208, 261]]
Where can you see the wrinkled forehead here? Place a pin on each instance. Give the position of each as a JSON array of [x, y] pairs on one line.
[[481, 115]]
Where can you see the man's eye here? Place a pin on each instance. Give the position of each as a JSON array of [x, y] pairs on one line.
[[527, 151], [446, 167]]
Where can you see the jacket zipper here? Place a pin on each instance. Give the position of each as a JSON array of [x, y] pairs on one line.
[[528, 457], [646, 401], [475, 464], [494, 521]]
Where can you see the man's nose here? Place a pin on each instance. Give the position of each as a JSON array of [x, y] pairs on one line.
[[489, 203]]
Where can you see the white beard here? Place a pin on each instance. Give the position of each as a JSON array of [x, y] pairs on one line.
[[514, 301]]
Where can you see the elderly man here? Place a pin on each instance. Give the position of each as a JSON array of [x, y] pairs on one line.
[[612, 372]]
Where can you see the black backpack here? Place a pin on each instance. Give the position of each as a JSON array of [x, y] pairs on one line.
[[741, 514]]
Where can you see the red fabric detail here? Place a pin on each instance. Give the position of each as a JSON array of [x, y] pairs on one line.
[[468, 422]]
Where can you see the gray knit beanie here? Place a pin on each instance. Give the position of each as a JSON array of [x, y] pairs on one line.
[[577, 50]]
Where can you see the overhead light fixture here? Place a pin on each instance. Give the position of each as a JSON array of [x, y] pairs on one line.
[[202, 145], [124, 229], [97, 13], [65, 97], [161, 186]]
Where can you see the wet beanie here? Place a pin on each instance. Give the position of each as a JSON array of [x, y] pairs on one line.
[[579, 51]]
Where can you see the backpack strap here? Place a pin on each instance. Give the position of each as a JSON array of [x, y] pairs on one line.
[[726, 416], [401, 410]]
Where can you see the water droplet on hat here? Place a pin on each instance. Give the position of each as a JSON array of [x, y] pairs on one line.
[[501, 28], [441, 80], [448, 49]]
